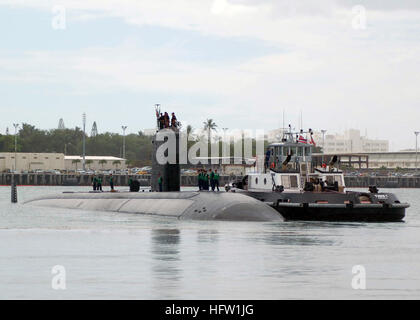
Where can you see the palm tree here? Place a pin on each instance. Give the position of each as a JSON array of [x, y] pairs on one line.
[[116, 163], [209, 126], [89, 162], [75, 161], [102, 162], [190, 129]]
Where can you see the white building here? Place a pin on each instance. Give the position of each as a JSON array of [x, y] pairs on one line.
[[73, 163], [374, 160], [149, 132], [351, 141], [274, 135], [393, 160], [31, 161]]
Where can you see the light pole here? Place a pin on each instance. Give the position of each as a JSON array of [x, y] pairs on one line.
[[323, 137], [416, 133], [157, 108], [16, 125], [124, 128], [323, 144], [225, 147], [84, 141], [224, 132]]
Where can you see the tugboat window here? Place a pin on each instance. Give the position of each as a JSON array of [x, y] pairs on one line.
[[285, 181], [339, 180], [256, 180], [265, 180], [293, 181], [300, 151]]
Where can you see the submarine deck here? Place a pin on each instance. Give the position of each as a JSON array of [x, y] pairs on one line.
[[182, 205]]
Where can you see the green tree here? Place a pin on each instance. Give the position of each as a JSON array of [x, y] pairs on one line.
[[209, 126], [116, 163], [7, 143], [31, 139], [189, 130], [102, 163], [89, 162]]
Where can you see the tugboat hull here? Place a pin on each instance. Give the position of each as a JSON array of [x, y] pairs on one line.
[[331, 212], [334, 206]]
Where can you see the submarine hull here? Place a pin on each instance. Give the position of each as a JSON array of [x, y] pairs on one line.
[[181, 205]]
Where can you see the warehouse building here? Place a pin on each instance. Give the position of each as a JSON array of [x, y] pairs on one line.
[[372, 160], [31, 161], [393, 160], [94, 163]]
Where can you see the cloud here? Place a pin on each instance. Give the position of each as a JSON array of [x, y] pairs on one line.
[[320, 63]]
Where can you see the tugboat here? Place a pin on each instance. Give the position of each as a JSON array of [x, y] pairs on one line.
[[299, 191]]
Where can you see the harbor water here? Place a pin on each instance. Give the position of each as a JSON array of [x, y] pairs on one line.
[[109, 255]]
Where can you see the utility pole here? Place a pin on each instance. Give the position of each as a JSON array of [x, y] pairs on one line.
[[323, 138], [416, 133], [16, 125], [323, 144], [224, 132], [65, 147], [124, 128], [157, 109], [226, 147], [84, 141]]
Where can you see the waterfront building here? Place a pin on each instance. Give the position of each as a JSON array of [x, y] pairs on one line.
[[350, 142], [31, 161], [393, 160], [373, 160], [94, 163], [274, 135], [149, 132]]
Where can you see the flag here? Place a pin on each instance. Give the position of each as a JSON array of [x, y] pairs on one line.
[[302, 139]]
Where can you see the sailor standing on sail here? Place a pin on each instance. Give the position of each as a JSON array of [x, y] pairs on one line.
[[173, 121]]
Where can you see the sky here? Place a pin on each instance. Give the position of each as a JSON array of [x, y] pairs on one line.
[[341, 63]]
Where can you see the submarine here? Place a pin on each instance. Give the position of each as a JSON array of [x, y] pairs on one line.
[[184, 205], [170, 201]]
